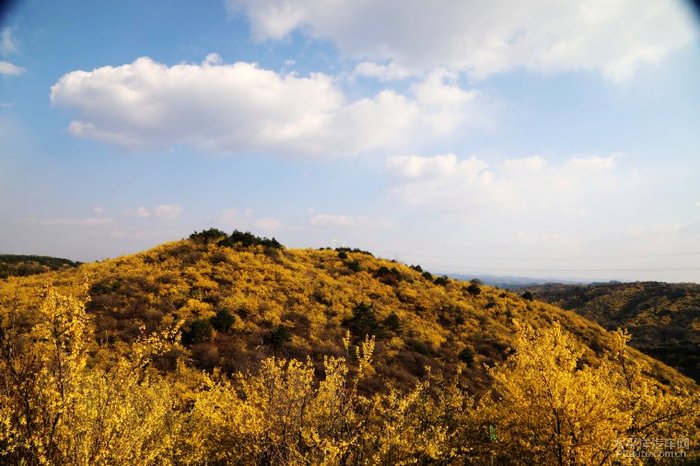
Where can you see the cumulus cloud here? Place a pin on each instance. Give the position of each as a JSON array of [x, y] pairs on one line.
[[613, 37], [530, 184], [240, 107], [10, 69]]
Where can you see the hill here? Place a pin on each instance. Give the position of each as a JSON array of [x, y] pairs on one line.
[[231, 349], [663, 318], [13, 265], [243, 302]]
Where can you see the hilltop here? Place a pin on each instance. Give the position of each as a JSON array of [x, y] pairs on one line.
[[663, 318], [243, 299]]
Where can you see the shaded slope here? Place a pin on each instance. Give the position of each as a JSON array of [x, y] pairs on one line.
[[15, 265], [663, 318]]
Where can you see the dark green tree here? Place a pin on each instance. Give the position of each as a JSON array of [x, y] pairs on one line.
[[466, 356], [278, 337], [354, 265], [363, 323], [442, 280], [392, 322], [212, 235], [474, 288], [199, 331], [223, 320]]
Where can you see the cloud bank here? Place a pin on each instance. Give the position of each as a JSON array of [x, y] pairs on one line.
[[242, 108], [613, 37], [529, 185]]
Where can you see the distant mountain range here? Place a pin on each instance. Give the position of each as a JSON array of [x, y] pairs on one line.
[[511, 282]]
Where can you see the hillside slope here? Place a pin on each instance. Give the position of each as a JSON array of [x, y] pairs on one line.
[[245, 301], [663, 318]]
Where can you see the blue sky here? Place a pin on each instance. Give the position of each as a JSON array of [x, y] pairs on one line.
[[536, 138]]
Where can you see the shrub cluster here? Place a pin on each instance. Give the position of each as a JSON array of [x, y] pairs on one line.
[[61, 404], [237, 238]]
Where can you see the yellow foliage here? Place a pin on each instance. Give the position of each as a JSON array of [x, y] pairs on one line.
[[113, 385], [546, 408]]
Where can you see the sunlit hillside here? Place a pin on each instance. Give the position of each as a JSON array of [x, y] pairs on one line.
[[243, 303], [313, 357]]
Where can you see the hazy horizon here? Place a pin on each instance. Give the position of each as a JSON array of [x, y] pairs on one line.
[[514, 138]]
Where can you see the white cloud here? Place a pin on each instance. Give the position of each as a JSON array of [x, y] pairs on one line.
[[529, 184], [343, 221], [613, 37], [171, 211], [240, 108], [9, 69], [8, 43]]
